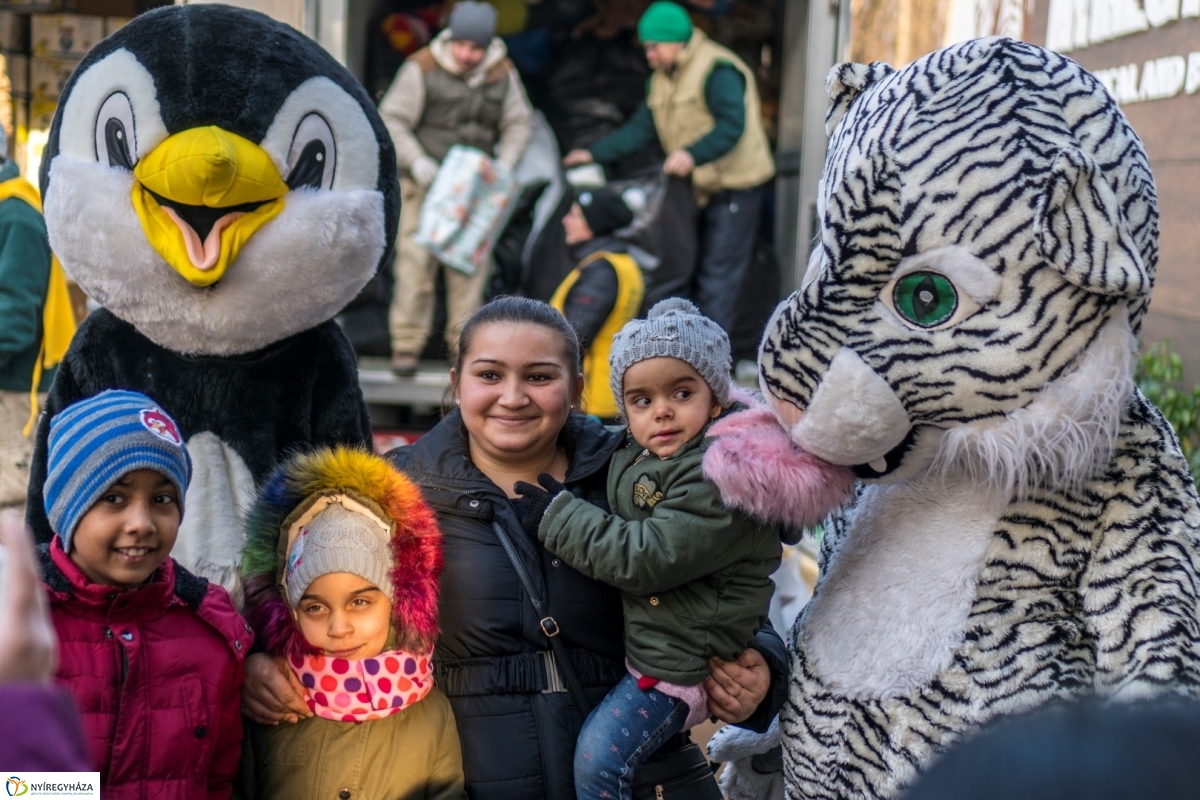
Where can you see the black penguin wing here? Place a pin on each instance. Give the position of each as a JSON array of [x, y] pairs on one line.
[[300, 392]]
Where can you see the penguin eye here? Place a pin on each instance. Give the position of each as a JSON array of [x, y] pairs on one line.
[[313, 154], [115, 134]]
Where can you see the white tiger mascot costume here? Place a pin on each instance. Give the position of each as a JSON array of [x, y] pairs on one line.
[[1025, 528]]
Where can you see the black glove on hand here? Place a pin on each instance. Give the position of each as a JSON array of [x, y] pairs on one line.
[[550, 485], [537, 500]]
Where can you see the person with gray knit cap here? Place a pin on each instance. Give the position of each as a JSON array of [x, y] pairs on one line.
[[460, 90], [694, 576]]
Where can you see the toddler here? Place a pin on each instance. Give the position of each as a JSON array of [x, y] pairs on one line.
[[341, 574], [152, 653], [693, 575]]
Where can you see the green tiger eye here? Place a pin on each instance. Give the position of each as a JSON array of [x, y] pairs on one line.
[[925, 298]]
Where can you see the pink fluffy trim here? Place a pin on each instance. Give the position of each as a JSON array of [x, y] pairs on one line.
[[759, 470]]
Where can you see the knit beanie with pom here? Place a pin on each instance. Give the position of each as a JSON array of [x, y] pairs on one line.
[[674, 328]]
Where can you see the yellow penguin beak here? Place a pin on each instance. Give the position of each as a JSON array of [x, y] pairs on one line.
[[201, 195]]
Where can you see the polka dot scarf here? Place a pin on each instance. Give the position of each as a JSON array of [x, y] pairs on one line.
[[359, 691]]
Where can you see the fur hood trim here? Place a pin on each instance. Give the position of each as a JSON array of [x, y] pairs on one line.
[[416, 544], [759, 470]]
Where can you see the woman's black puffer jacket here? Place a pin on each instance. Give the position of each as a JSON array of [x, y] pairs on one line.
[[518, 737], [518, 740]]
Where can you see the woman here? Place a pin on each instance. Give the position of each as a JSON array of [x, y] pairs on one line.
[[516, 382]]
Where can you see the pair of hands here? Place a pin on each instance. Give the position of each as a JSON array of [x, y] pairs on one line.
[[680, 163], [271, 693], [28, 645]]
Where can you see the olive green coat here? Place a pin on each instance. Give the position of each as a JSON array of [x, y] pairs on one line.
[[411, 755], [694, 576]]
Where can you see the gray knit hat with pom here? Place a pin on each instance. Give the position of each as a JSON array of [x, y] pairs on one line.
[[674, 328]]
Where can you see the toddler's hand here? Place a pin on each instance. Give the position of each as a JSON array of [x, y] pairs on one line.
[[537, 500]]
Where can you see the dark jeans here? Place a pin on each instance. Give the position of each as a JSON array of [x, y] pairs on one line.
[[730, 229], [626, 728]]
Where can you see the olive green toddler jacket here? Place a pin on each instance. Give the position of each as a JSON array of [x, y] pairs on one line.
[[694, 576]]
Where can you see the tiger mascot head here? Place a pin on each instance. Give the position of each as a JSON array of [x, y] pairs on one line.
[[987, 244]]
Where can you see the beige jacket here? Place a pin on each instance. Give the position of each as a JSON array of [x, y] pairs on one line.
[[404, 103], [681, 117]]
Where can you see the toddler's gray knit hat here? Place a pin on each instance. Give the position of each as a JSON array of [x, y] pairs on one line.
[[343, 536], [674, 328]]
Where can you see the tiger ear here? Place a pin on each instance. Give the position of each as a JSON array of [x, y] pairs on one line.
[[1081, 230], [843, 84]]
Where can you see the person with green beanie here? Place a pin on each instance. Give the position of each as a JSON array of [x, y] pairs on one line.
[[702, 104]]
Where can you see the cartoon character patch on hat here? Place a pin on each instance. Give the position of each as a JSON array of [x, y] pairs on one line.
[[296, 556], [162, 426]]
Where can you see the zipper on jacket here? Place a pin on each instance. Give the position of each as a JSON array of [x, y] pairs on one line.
[[463, 493], [124, 665]]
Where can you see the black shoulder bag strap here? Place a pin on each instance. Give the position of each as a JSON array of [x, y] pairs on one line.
[[549, 626]]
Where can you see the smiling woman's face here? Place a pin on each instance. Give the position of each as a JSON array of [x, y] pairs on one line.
[[515, 390]]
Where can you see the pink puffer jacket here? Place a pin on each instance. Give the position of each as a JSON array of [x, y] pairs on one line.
[[157, 673]]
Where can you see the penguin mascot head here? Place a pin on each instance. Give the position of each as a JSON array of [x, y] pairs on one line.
[[217, 180]]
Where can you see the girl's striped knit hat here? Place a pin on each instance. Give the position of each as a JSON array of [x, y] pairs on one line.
[[96, 441]]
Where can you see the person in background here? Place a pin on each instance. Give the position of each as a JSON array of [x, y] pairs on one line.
[[152, 653], [25, 269], [460, 90], [45, 734], [702, 104], [603, 292]]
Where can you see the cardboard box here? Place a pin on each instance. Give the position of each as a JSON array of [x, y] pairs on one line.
[[114, 24], [104, 8], [64, 35], [48, 76], [33, 6], [17, 69], [14, 32], [41, 113]]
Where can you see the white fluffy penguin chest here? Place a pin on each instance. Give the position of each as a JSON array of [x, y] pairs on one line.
[[211, 535], [892, 606]]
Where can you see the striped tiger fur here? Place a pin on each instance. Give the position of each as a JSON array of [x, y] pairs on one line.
[[1025, 527]]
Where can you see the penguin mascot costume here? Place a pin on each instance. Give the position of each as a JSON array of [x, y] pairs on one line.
[[222, 187]]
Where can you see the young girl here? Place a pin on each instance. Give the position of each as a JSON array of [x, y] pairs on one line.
[[693, 575], [152, 653], [341, 573]]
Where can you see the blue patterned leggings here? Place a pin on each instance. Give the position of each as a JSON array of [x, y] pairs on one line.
[[626, 728]]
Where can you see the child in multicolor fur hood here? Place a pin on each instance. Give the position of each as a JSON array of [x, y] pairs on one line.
[[341, 575]]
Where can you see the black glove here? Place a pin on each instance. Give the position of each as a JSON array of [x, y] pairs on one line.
[[537, 500]]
